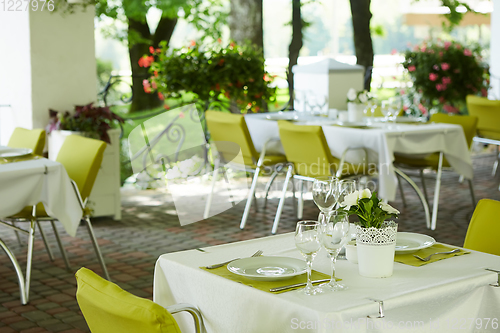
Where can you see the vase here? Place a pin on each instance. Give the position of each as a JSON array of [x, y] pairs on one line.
[[355, 111], [375, 249]]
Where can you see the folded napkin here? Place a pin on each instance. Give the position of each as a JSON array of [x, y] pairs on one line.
[[266, 285], [19, 158], [409, 259]]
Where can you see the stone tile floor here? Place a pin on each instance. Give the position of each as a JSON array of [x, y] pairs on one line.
[[149, 228]]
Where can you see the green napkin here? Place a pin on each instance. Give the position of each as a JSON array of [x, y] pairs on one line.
[[409, 259], [266, 285], [29, 157]]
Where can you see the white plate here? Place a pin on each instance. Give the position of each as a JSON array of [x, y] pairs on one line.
[[409, 242], [281, 116], [268, 268], [410, 120], [15, 152]]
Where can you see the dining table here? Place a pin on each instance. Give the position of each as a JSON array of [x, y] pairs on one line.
[[28, 180], [381, 140], [458, 293]]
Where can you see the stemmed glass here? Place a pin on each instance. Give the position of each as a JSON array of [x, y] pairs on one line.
[[387, 110], [345, 187], [334, 235], [325, 194], [307, 240]]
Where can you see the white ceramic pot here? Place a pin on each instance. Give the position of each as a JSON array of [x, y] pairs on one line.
[[355, 111], [375, 250], [351, 252]]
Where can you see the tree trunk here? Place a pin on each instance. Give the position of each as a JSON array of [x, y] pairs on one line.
[[361, 16], [245, 22], [295, 45]]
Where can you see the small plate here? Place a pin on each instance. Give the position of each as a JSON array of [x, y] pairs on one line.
[[281, 116], [268, 268], [15, 152], [410, 120], [409, 242]]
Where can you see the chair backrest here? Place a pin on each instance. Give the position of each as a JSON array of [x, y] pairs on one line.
[[229, 127], [82, 158], [307, 149], [468, 123], [483, 233], [488, 113], [24, 138], [107, 308]]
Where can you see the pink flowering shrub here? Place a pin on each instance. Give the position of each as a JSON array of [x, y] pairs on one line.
[[445, 72]]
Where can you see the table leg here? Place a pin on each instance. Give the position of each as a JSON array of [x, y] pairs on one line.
[[282, 200], [436, 192]]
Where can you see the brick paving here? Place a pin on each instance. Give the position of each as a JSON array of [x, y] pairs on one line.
[[149, 228]]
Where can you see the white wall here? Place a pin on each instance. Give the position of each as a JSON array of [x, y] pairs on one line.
[[495, 51], [47, 60]]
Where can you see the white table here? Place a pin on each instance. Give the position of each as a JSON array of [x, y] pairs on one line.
[[440, 293], [382, 140]]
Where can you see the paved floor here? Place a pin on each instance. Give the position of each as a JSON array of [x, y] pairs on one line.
[[150, 227]]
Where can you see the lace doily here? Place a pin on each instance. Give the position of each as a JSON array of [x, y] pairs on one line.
[[377, 236]]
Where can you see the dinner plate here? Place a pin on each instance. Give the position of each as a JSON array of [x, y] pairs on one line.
[[268, 268], [409, 242], [281, 116], [15, 152], [410, 120]]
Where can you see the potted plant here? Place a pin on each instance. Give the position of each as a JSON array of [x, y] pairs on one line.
[[375, 233], [443, 73], [356, 104]]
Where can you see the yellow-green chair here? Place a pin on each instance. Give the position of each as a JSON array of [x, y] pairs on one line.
[[81, 157], [228, 131], [437, 161], [483, 233], [32, 139], [488, 126], [109, 309], [309, 157]]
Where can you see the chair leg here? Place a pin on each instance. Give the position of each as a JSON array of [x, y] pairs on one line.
[[495, 165], [300, 206], [47, 247], [250, 198], [17, 233], [472, 195], [420, 195], [422, 178], [61, 247], [210, 195], [282, 200], [436, 192], [270, 183], [29, 259], [400, 185], [96, 248], [295, 211], [19, 272], [224, 174]]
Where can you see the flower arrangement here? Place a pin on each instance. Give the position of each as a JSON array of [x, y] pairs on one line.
[[358, 97], [232, 73], [371, 211], [94, 121], [445, 72]]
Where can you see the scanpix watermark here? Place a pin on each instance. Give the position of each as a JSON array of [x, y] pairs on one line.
[[431, 325], [27, 5]]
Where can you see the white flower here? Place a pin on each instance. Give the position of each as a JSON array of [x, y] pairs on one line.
[[366, 193], [388, 208], [363, 98], [351, 94], [350, 200]]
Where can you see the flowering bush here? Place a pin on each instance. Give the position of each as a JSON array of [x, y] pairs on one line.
[[233, 73], [92, 120], [371, 211], [359, 97], [445, 72]]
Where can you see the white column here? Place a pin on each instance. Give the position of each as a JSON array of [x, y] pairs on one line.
[[495, 51], [47, 62]]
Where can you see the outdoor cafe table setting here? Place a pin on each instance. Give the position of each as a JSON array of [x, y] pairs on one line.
[[454, 292]]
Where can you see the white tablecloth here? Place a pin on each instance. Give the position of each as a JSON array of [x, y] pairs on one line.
[[25, 183], [382, 140], [441, 293]]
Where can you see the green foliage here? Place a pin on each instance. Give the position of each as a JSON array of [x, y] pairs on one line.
[[445, 72], [371, 211], [233, 73]]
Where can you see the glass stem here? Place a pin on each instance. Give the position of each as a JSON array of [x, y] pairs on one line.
[[333, 257], [309, 269]]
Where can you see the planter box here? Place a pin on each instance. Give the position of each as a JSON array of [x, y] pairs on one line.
[[105, 198]]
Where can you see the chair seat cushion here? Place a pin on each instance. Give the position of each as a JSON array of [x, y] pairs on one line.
[[489, 134], [431, 160]]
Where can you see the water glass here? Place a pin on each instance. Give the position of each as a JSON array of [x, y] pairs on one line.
[[346, 187], [325, 195], [334, 235], [307, 240]]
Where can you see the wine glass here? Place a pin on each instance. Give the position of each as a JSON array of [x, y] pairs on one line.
[[334, 235], [387, 110], [396, 106], [325, 195], [346, 187], [307, 240]]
